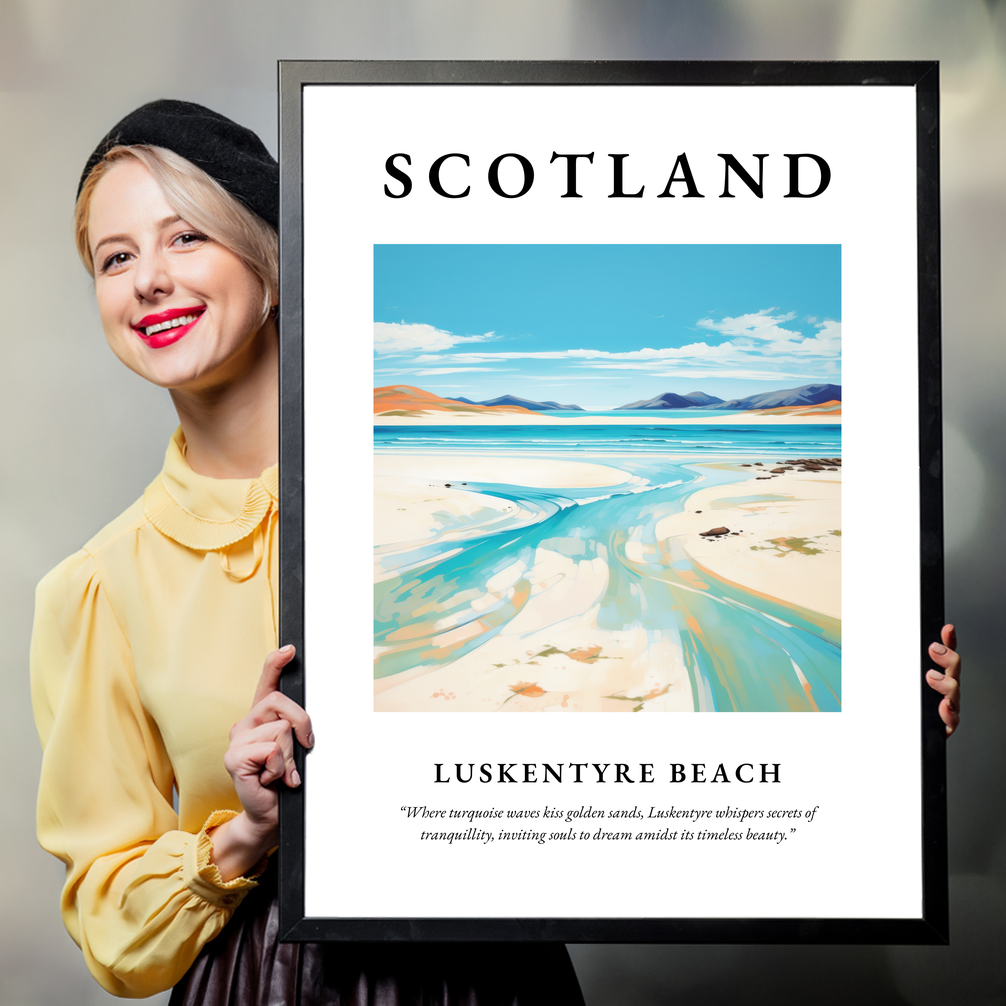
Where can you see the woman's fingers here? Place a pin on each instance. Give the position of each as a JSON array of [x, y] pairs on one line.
[[947, 680], [278, 735], [948, 658], [261, 749], [949, 688], [274, 766], [260, 761], [270, 703], [949, 710], [271, 671], [949, 636], [944, 684], [277, 706]]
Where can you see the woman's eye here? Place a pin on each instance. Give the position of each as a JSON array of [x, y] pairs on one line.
[[114, 261], [190, 238]]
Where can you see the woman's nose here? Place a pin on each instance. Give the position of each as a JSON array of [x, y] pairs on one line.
[[152, 277]]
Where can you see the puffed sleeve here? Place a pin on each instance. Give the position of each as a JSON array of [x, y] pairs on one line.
[[141, 898]]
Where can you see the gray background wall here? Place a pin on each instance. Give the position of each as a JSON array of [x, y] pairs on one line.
[[81, 436]]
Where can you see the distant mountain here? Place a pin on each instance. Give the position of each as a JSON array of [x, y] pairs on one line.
[[701, 398], [669, 400], [809, 394], [406, 400], [523, 403]]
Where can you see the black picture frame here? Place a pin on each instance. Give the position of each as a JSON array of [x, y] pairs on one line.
[[932, 925]]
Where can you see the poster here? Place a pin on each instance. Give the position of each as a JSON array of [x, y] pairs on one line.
[[643, 437]]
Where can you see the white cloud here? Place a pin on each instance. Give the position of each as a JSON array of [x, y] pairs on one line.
[[690, 371], [700, 349], [775, 340], [566, 377], [411, 372], [826, 343], [458, 370], [393, 338], [758, 347], [479, 357], [759, 325]]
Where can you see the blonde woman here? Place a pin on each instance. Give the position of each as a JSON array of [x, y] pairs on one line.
[[165, 737]]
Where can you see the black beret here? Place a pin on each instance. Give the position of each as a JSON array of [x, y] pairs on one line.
[[230, 154]]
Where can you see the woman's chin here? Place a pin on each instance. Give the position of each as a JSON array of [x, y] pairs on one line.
[[197, 365], [175, 373]]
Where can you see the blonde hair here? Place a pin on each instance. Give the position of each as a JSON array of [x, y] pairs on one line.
[[199, 200]]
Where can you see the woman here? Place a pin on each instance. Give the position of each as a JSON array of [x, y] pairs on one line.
[[148, 643]]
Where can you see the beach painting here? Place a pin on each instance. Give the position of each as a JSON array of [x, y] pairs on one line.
[[607, 478]]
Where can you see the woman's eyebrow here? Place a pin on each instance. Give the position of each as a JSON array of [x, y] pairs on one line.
[[160, 225], [109, 240]]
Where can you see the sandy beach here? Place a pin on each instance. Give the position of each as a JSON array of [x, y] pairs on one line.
[[544, 649], [544, 418], [545, 473], [789, 548]]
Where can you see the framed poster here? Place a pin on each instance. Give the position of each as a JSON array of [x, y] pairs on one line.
[[612, 591]]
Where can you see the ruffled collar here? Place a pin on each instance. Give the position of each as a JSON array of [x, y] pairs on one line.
[[203, 513]]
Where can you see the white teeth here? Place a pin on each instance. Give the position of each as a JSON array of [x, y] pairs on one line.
[[173, 323]]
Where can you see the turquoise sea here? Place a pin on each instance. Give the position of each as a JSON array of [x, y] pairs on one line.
[[714, 440]]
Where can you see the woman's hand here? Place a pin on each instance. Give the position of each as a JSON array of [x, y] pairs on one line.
[[260, 753], [948, 681]]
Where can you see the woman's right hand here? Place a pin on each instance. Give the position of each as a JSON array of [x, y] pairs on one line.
[[260, 753]]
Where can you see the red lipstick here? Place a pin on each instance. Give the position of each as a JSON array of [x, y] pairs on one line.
[[166, 329]]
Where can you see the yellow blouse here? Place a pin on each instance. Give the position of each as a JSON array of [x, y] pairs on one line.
[[147, 647]]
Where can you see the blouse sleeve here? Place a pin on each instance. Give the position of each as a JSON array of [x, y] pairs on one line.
[[141, 898]]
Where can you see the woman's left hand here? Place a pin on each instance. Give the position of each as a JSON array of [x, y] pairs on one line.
[[948, 681]]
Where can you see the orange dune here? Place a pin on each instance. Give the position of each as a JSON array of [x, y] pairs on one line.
[[832, 408], [403, 399]]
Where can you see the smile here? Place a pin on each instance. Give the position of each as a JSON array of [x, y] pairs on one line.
[[166, 327], [186, 319]]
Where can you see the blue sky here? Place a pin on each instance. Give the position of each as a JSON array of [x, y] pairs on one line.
[[602, 325]]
